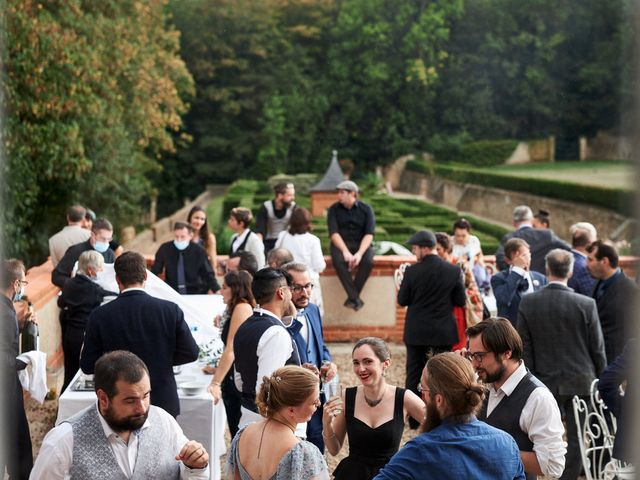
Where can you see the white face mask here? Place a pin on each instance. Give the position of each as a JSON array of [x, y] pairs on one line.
[[181, 245]]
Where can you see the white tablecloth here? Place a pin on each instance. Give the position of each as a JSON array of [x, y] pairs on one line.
[[199, 418]]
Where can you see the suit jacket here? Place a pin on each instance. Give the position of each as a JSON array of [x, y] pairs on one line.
[[562, 338], [314, 322], [62, 273], [61, 241], [199, 277], [581, 281], [616, 312], [618, 371], [430, 289], [505, 285], [540, 243], [153, 329], [79, 297]]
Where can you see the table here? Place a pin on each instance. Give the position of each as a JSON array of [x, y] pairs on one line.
[[199, 418]]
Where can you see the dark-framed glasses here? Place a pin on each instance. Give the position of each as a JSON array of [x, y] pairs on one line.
[[298, 288], [477, 356]]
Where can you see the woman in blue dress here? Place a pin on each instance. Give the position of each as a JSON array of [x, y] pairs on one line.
[[269, 449], [373, 414]]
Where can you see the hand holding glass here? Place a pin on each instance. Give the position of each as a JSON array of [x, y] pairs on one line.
[[333, 390]]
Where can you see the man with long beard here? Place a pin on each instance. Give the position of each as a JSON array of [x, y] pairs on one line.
[[516, 401], [121, 436], [453, 443]]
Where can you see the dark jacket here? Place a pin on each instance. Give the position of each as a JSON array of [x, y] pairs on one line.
[[506, 288], [62, 273], [430, 289], [198, 273], [80, 296], [153, 329], [562, 339]]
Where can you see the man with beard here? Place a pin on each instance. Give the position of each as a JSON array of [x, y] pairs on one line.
[[121, 436], [516, 402], [453, 443], [274, 215], [306, 330]]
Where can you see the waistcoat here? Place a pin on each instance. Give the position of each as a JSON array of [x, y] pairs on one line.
[[276, 225]]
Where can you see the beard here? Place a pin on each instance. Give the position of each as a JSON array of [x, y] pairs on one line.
[[432, 419], [124, 424], [495, 376], [286, 205]]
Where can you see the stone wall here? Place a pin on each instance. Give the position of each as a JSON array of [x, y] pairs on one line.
[[497, 205]]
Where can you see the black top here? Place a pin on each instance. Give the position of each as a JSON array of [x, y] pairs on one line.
[[262, 219], [370, 449], [541, 241], [80, 296], [62, 273], [199, 277], [351, 223]]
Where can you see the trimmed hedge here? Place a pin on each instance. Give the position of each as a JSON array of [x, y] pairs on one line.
[[619, 200]]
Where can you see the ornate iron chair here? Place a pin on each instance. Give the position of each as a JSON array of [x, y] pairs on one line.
[[398, 275], [596, 434]]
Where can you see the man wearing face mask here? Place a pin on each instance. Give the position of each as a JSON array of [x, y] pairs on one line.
[[17, 455], [101, 235], [80, 296], [185, 264]]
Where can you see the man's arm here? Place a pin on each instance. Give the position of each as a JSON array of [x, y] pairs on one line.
[[92, 348], [62, 272], [365, 243], [206, 273], [261, 222], [56, 455], [613, 376], [274, 349], [541, 421], [459, 294], [596, 339], [159, 261], [404, 292], [186, 349], [505, 288], [338, 242]]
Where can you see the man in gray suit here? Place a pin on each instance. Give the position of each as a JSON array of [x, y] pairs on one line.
[[563, 344]]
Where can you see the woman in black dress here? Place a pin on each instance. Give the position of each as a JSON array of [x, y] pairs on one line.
[[373, 414]]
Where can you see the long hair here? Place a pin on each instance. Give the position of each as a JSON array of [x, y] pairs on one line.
[[240, 285], [204, 233]]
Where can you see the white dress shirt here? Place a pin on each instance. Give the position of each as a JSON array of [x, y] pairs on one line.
[[523, 273], [56, 454], [306, 249], [540, 420]]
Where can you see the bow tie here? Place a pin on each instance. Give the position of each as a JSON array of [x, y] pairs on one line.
[[523, 285]]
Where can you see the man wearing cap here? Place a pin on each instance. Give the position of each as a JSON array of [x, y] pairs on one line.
[[351, 226], [430, 289]]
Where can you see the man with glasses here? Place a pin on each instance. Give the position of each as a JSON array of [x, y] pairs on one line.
[[101, 235], [452, 442], [262, 343], [306, 329], [516, 401]]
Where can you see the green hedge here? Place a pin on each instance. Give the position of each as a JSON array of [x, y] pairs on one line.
[[612, 198], [480, 153]]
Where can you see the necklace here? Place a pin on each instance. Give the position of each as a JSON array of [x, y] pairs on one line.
[[373, 403], [293, 429]]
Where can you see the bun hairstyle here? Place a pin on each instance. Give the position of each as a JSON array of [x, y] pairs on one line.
[[452, 376], [379, 347], [288, 386]]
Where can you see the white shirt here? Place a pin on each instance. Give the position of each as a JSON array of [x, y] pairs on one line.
[[56, 454], [472, 248], [239, 239], [305, 248], [274, 349], [524, 273], [540, 420]]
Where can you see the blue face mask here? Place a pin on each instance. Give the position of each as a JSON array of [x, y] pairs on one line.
[[101, 247], [181, 245], [18, 295]]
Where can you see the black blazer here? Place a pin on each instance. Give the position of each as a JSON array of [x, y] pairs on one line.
[[153, 329], [62, 273], [430, 289], [80, 296], [562, 339], [616, 309], [199, 277], [540, 243]]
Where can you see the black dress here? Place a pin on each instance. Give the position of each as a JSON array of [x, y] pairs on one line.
[[370, 449], [230, 395]]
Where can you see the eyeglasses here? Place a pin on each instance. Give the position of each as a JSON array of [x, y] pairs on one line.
[[23, 282], [422, 389], [477, 356], [298, 288]]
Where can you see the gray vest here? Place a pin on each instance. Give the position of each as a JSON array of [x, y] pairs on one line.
[[276, 225], [94, 459]]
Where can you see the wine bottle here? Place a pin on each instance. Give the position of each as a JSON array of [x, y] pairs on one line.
[[29, 333]]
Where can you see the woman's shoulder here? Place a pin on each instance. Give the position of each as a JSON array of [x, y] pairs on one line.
[[303, 461], [242, 308]]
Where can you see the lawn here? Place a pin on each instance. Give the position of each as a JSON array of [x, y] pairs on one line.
[[611, 174]]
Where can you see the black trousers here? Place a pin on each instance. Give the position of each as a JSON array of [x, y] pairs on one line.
[[572, 460], [17, 455], [352, 285], [417, 356], [72, 339], [231, 399]]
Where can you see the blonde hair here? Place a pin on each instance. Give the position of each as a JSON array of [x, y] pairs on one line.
[[288, 386]]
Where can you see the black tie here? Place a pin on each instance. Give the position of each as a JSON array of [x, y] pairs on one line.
[[523, 286], [182, 287]]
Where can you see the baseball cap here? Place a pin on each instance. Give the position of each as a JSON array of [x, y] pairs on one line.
[[423, 238]]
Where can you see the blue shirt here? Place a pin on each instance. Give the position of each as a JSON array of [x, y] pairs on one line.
[[471, 450]]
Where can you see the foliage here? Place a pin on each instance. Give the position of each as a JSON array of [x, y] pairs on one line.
[[482, 153], [92, 92]]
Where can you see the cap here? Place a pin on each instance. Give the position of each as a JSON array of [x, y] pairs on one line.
[[423, 238], [347, 185]]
